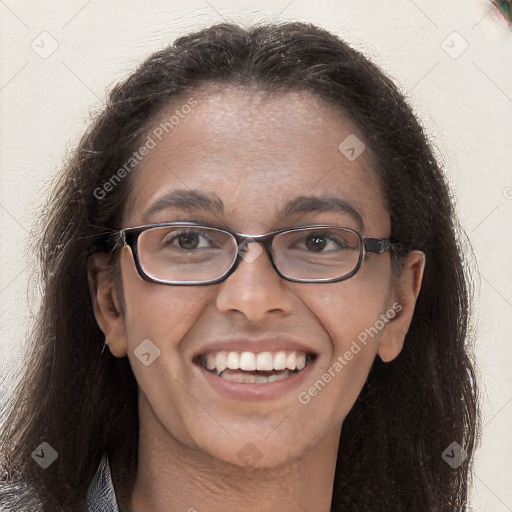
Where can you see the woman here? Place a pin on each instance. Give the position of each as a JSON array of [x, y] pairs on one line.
[[257, 229]]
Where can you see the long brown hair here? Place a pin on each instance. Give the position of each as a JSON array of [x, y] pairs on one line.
[[84, 402]]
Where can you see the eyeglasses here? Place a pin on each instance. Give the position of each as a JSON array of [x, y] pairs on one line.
[[189, 253]]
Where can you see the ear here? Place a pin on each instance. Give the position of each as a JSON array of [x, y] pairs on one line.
[[107, 302], [405, 295]]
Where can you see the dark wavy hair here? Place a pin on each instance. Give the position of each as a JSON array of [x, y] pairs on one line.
[[84, 402]]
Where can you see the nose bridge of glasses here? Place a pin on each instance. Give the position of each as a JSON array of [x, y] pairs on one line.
[[261, 240]]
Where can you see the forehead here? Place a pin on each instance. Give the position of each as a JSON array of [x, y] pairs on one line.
[[255, 151]]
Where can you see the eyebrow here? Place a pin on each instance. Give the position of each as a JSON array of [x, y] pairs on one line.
[[312, 204], [187, 200], [191, 200]]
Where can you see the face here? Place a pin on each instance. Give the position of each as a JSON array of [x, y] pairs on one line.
[[251, 154]]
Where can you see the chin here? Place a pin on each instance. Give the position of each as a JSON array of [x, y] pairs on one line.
[[259, 452]]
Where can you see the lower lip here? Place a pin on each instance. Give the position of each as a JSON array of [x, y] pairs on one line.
[[261, 391]]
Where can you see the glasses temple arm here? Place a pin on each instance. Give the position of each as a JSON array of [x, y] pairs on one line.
[[380, 245]]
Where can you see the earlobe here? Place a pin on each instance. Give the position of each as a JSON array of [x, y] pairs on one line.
[[406, 294], [106, 302]]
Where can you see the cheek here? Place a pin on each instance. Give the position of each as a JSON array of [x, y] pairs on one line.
[[349, 312], [348, 308], [157, 312], [163, 315]]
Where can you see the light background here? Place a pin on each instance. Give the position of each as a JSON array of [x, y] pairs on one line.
[[465, 103]]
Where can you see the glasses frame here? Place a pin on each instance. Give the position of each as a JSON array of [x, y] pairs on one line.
[[130, 237]]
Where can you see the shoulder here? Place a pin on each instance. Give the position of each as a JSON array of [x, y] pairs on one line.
[[101, 496], [14, 495]]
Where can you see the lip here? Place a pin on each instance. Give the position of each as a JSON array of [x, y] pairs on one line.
[[261, 391]]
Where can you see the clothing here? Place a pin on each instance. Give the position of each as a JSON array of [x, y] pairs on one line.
[[101, 496]]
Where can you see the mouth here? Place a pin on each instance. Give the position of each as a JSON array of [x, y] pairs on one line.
[[255, 367]]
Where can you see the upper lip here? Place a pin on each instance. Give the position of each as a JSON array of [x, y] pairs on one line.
[[256, 345]]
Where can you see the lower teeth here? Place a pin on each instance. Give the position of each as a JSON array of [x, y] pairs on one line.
[[253, 377]]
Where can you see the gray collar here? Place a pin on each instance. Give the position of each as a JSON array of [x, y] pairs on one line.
[[101, 496]]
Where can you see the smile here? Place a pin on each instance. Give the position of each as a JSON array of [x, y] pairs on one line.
[[255, 368]]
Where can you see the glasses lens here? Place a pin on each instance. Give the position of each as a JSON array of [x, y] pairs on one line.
[[185, 253], [316, 253]]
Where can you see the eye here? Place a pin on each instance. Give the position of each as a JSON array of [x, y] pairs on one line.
[[186, 240], [317, 242]]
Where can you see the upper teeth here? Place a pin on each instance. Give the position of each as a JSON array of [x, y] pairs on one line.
[[250, 361]]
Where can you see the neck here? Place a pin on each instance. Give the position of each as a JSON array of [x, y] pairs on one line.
[[172, 476]]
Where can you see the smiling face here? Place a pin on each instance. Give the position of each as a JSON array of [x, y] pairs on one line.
[[253, 163]]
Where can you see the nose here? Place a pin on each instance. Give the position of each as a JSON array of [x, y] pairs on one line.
[[255, 289]]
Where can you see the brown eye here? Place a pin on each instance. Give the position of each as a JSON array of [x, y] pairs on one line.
[[315, 242], [186, 240]]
